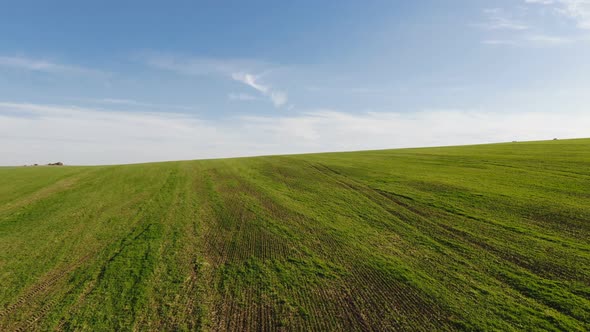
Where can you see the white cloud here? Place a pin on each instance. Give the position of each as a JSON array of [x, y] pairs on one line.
[[250, 80], [202, 65], [499, 42], [576, 10], [543, 2], [497, 19], [549, 40], [546, 34], [32, 133], [278, 98], [134, 103], [533, 40], [29, 64], [239, 70], [242, 96], [41, 65]]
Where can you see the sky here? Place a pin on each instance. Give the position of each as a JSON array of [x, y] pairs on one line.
[[112, 82]]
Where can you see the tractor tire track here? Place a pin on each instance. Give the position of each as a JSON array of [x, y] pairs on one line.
[[42, 287]]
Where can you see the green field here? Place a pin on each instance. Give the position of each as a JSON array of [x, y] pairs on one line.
[[488, 237]]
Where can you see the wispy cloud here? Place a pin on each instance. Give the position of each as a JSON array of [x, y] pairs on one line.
[[498, 19], [76, 135], [242, 96], [240, 70], [576, 10], [131, 102], [278, 98], [251, 81], [499, 42], [543, 2], [533, 40], [535, 28], [203, 65], [41, 65], [549, 40]]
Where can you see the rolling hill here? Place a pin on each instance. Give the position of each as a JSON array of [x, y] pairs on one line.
[[487, 237]]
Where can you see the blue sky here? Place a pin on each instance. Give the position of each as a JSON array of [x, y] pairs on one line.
[[133, 81]]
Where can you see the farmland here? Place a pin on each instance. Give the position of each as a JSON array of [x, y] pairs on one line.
[[488, 237]]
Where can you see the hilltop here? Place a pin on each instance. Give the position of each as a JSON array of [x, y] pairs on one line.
[[487, 237]]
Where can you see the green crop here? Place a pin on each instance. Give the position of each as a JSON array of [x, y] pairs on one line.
[[488, 237]]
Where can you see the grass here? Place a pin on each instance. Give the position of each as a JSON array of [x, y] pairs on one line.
[[489, 237]]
